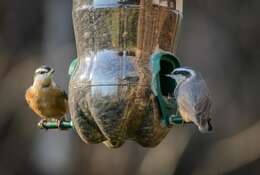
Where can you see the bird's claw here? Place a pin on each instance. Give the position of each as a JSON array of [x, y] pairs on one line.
[[41, 124], [59, 124]]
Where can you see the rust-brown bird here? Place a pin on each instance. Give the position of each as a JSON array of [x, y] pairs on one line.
[[45, 98]]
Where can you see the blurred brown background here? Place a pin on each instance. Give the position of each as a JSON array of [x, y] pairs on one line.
[[220, 38]]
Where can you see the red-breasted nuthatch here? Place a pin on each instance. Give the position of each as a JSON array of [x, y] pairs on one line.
[[45, 98], [193, 98]]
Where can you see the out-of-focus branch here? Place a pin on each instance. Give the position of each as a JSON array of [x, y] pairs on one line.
[[231, 153], [164, 158]]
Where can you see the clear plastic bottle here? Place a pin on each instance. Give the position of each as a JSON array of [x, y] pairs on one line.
[[110, 94]]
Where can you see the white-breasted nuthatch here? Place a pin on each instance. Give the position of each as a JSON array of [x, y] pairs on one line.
[[45, 98], [193, 98]]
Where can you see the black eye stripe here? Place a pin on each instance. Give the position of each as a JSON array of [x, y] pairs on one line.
[[178, 72], [47, 68], [182, 72], [42, 72]]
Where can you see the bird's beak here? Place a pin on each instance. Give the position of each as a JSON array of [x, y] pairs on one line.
[[169, 75], [51, 72]]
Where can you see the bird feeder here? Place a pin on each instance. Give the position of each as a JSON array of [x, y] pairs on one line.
[[118, 90]]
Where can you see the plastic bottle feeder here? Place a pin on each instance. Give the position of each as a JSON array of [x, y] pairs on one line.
[[118, 90]]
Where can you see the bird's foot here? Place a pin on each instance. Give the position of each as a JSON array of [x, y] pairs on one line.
[[59, 123], [42, 124]]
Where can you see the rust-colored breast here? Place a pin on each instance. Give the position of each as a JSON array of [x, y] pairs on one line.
[[47, 102]]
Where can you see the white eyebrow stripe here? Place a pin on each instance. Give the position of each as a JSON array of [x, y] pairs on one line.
[[41, 70]]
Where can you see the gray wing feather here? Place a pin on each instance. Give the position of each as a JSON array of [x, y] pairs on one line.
[[193, 96]]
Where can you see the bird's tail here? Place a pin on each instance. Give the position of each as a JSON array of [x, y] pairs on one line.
[[207, 128]]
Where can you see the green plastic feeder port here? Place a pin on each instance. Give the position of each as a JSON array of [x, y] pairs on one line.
[[162, 64], [73, 66]]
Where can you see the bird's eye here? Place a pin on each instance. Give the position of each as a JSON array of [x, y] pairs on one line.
[[199, 113]]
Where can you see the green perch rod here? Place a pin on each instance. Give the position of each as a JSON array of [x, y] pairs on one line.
[[63, 125], [177, 120]]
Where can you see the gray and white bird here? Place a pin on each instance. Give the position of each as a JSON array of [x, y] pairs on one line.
[[193, 98]]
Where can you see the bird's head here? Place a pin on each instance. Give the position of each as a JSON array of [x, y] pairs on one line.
[[43, 76], [181, 74]]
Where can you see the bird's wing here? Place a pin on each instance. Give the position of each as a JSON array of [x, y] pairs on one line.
[[183, 94], [29, 96], [203, 95], [203, 106], [31, 100]]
